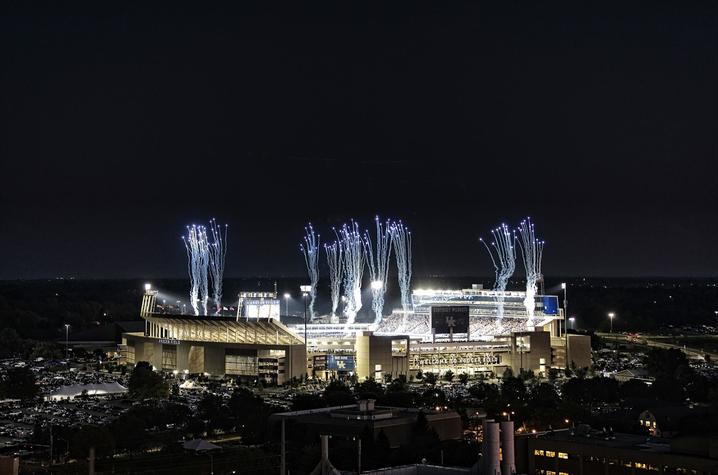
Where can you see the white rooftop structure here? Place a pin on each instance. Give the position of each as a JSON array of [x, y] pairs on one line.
[[71, 392]]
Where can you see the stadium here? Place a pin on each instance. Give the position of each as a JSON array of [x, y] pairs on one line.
[[446, 330]]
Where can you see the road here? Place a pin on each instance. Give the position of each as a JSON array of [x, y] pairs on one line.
[[656, 342]]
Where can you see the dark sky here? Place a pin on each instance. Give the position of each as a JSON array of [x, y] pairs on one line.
[[599, 121]]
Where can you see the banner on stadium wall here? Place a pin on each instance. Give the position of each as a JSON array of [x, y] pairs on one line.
[[340, 362], [450, 319]]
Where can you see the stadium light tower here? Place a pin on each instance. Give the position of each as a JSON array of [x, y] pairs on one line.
[[287, 296], [611, 316]]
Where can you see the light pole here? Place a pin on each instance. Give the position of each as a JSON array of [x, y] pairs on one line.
[[67, 341], [611, 315], [305, 289], [572, 320], [287, 296], [564, 286]]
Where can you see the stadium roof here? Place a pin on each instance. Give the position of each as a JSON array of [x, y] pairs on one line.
[[267, 331]]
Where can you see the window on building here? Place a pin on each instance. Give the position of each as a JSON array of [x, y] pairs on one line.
[[550, 453], [562, 455], [240, 362], [538, 452], [169, 357]]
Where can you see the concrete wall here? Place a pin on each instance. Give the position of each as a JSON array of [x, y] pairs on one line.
[[579, 350], [372, 350], [214, 360], [361, 347], [295, 363], [540, 348]]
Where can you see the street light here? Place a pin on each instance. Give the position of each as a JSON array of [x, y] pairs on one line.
[[67, 341], [305, 289], [287, 296], [572, 320], [565, 316], [148, 286], [611, 315]]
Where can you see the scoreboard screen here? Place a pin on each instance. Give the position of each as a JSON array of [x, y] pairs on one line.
[[450, 318]]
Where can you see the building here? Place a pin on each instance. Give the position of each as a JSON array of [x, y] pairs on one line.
[[353, 421], [583, 451], [217, 346], [666, 421]]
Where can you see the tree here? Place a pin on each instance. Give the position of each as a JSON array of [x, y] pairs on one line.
[[513, 391], [430, 378], [634, 388], [91, 436], [250, 416], [368, 389], [544, 395], [19, 383], [303, 401], [434, 397], [464, 378], [129, 433], [338, 394], [553, 374], [146, 384], [448, 376], [668, 363], [212, 409], [10, 343], [419, 375]]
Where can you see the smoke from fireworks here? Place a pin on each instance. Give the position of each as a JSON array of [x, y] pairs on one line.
[[503, 256], [197, 262], [217, 252], [334, 261], [353, 262], [401, 241], [310, 249], [532, 253], [378, 265]]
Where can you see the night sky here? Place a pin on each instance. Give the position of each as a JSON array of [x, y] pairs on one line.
[[120, 127]]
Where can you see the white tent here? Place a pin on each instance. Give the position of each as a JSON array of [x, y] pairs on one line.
[[71, 392], [199, 445]]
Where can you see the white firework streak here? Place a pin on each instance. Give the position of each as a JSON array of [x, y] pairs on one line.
[[353, 263], [532, 253], [197, 262], [310, 249], [334, 261], [401, 241], [503, 256], [217, 254], [378, 264]]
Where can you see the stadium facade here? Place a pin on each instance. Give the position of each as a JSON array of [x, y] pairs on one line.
[[456, 330]]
